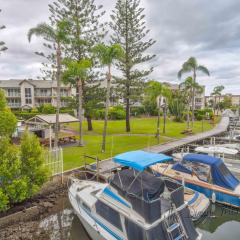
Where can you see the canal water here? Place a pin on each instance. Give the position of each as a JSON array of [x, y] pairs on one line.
[[219, 223]]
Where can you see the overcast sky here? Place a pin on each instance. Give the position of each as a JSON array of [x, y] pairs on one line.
[[208, 30]]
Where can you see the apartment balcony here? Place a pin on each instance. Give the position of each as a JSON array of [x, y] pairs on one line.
[[43, 96], [13, 95], [14, 105]]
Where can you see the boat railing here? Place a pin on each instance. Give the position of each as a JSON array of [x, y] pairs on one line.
[[81, 175]]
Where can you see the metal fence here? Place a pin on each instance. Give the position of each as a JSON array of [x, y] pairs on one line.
[[54, 161]]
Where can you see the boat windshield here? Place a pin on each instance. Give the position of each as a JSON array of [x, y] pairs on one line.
[[202, 171]]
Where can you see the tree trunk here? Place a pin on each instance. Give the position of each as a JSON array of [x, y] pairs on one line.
[[58, 79], [89, 123], [188, 117], [106, 109], [164, 118], [128, 128], [158, 120], [215, 105], [193, 97], [80, 113]]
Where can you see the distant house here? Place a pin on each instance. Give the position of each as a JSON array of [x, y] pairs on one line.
[[28, 93]]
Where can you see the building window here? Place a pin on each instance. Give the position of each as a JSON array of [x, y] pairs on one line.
[[28, 101], [13, 92], [28, 93], [63, 92], [14, 103]]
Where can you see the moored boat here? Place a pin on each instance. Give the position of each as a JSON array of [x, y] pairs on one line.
[[206, 174], [135, 204]]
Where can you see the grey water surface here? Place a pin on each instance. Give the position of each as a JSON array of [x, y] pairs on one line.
[[219, 223]]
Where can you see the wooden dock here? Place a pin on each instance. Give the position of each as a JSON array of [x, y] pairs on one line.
[[220, 128]]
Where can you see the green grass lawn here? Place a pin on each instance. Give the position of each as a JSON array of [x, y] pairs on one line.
[[117, 143], [141, 126]]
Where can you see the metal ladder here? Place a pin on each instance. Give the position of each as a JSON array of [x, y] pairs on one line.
[[172, 223]]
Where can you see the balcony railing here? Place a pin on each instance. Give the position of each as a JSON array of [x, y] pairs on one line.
[[43, 95], [14, 95], [14, 105]]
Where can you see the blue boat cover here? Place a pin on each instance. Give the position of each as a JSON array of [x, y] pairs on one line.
[[181, 168], [140, 160], [220, 173]]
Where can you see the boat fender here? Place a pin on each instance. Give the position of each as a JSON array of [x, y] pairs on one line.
[[213, 197]]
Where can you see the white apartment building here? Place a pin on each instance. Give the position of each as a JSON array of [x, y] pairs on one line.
[[28, 93]]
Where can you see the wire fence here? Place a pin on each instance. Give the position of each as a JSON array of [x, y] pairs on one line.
[[54, 161]]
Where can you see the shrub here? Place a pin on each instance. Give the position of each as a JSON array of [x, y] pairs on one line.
[[98, 114], [8, 120], [67, 110], [116, 113], [8, 123], [13, 186], [4, 202], [25, 115], [47, 109], [203, 113], [32, 163], [22, 171], [137, 111]]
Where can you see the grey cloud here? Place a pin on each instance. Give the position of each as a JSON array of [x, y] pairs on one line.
[[208, 30]]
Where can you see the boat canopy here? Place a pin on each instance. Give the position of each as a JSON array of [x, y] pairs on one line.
[[220, 173], [140, 160]]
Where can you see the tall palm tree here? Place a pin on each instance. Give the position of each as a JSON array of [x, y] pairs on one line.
[[191, 65], [57, 36], [187, 87], [217, 92], [107, 55], [76, 72]]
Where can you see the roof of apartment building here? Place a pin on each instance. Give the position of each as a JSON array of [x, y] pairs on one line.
[[36, 83]]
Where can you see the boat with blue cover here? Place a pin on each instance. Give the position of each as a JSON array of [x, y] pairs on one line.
[[135, 204], [206, 174]]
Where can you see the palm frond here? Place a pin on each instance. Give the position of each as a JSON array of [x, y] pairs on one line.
[[185, 69], [180, 73], [192, 61], [107, 54], [203, 69], [42, 30]]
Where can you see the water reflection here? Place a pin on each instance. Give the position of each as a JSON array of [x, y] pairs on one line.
[[219, 224], [63, 225]]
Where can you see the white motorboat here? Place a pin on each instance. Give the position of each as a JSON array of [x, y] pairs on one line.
[[135, 205], [215, 149]]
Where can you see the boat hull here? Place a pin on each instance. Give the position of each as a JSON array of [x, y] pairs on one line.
[[93, 234], [221, 197], [95, 229]]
